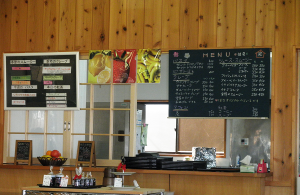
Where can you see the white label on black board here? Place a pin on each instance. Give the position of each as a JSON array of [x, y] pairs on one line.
[[56, 102], [57, 70], [56, 94], [56, 61], [56, 98], [18, 102], [23, 94], [22, 61], [24, 87], [56, 105], [57, 87]]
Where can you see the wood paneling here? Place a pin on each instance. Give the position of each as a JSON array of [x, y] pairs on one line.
[[5, 22], [101, 20], [208, 20], [265, 22], [212, 185], [245, 23], [66, 25], [297, 33], [19, 25], [35, 25], [118, 28], [83, 25], [278, 190], [226, 31], [170, 24], [152, 25], [284, 78], [135, 24], [159, 181], [50, 25], [189, 24]]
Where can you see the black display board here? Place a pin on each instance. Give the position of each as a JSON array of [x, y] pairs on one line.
[[41, 81], [23, 152], [219, 83], [86, 153]]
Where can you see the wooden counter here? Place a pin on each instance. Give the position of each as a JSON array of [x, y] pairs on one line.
[[105, 190], [180, 182]]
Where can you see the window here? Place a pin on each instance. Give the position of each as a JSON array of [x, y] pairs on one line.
[[103, 117], [161, 129], [180, 135]]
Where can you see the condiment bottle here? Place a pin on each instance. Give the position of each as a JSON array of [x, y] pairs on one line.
[[58, 177], [82, 180], [92, 180], [87, 180], [52, 181]]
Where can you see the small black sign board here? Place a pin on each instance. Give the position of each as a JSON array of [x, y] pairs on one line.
[[23, 152], [86, 153], [219, 83]]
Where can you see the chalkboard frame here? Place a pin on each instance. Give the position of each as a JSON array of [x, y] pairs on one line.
[[92, 159], [21, 160], [197, 110], [40, 102]]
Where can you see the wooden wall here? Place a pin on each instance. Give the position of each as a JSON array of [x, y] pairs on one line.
[[81, 25]]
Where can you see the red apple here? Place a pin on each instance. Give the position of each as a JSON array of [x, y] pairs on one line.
[[55, 153]]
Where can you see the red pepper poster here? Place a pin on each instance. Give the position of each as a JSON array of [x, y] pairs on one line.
[[124, 66]]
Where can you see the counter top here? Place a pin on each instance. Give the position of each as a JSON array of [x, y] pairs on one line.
[[105, 190], [144, 171]]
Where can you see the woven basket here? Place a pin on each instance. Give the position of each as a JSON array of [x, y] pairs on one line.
[[51, 161]]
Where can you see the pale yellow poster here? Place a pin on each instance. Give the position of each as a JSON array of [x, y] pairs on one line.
[[100, 62]]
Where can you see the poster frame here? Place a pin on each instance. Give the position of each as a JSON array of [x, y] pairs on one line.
[[73, 53]]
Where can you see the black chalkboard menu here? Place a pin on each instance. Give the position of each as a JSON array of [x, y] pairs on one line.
[[23, 152], [221, 83], [86, 153], [43, 81]]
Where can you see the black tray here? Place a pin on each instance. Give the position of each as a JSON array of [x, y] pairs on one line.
[[71, 186]]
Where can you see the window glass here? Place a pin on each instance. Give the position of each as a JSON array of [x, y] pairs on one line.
[[12, 141], [36, 123], [161, 129], [37, 145], [17, 121], [120, 147], [81, 119], [201, 133], [121, 93], [101, 121], [77, 138], [101, 147], [55, 121], [55, 142], [121, 121], [101, 96]]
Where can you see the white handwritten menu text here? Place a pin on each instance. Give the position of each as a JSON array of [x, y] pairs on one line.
[[219, 83], [41, 81]]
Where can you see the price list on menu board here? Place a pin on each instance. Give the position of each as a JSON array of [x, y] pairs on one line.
[[221, 83], [41, 81]]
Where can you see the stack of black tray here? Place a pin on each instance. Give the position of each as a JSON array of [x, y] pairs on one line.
[[182, 165], [145, 162]]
